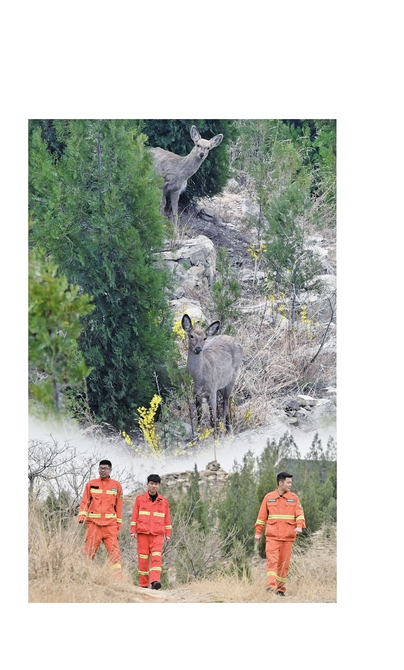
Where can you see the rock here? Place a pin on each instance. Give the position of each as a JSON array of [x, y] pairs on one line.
[[212, 478], [249, 208], [233, 186], [190, 307], [250, 275], [199, 251], [329, 280], [305, 401], [290, 405], [324, 409], [207, 215]]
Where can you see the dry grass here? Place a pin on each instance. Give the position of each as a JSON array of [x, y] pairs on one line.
[[58, 573], [312, 579]]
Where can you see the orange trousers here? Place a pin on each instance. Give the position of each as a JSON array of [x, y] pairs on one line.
[[149, 558], [279, 553], [109, 536]]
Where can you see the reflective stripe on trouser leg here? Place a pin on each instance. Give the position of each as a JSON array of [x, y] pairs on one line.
[[278, 561], [156, 551], [143, 559]]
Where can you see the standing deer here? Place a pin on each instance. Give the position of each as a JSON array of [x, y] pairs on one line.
[[213, 367], [176, 170]]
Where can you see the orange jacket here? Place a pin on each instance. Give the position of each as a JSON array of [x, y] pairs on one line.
[[102, 502], [151, 518], [280, 515]]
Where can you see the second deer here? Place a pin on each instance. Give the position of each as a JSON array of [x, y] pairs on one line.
[[176, 170], [213, 366]]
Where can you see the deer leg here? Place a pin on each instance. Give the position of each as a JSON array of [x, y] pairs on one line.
[[174, 196], [226, 405], [226, 412], [213, 411], [163, 202], [198, 404]]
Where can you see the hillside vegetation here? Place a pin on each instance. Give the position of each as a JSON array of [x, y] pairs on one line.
[[106, 345]]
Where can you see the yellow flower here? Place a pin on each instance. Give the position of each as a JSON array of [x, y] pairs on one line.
[[127, 438], [146, 422]]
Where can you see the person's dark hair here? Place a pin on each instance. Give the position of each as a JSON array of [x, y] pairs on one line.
[[281, 476], [154, 478], [105, 462]]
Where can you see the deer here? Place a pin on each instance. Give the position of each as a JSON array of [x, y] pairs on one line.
[[213, 366], [176, 170]]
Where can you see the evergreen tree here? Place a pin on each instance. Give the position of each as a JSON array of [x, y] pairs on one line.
[[225, 292], [266, 470], [281, 162], [309, 500], [238, 509], [192, 505], [56, 311], [96, 210], [319, 465], [293, 268]]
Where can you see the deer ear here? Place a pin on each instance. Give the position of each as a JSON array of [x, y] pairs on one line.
[[195, 134], [212, 329], [186, 323], [215, 141]]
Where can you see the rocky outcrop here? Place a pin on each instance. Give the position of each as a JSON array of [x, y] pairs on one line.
[[193, 265], [211, 479], [307, 412]]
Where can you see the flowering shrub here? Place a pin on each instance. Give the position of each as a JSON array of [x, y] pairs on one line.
[[257, 252], [147, 424]]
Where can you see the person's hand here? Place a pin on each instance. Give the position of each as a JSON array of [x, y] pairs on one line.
[[133, 536], [167, 539], [257, 537], [298, 530], [82, 519]]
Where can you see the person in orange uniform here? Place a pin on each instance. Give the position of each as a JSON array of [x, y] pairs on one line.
[[101, 510], [150, 523], [282, 515]]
